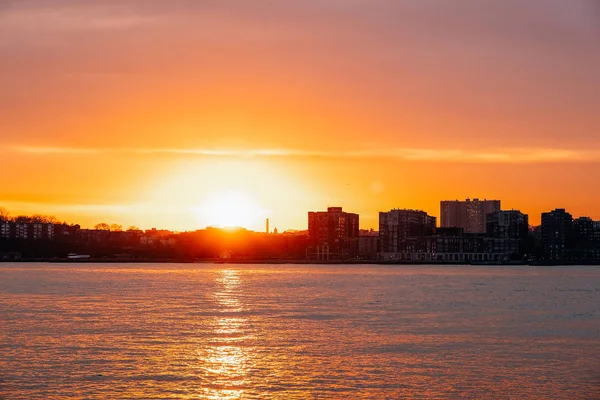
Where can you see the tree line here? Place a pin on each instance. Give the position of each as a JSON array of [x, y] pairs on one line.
[[51, 219], [24, 219]]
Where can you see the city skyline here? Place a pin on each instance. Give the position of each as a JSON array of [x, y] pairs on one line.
[[333, 235], [156, 115], [268, 227]]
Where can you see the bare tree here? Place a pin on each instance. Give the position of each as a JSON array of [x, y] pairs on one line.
[[103, 226], [25, 219], [4, 214], [116, 228], [43, 219], [37, 219], [53, 220], [133, 228]]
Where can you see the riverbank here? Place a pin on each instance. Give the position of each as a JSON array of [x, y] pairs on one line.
[[105, 260]]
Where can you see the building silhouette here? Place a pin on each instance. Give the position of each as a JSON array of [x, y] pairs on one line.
[[449, 245], [557, 227], [27, 230], [585, 239], [584, 231], [397, 227], [368, 244], [511, 231], [332, 235], [404, 236], [469, 214]]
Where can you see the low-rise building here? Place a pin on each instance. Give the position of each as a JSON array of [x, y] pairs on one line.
[[368, 244]]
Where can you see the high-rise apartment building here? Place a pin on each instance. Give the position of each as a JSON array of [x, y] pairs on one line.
[[469, 214], [557, 228], [332, 234], [396, 226]]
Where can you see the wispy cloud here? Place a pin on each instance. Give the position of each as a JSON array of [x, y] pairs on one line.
[[49, 150], [74, 18], [508, 155]]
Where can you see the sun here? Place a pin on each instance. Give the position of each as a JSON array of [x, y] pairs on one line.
[[232, 208]]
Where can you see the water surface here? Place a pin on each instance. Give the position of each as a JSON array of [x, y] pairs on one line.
[[188, 331]]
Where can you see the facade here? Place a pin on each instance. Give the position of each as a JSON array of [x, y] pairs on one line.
[[469, 214], [583, 231], [512, 228], [368, 244], [332, 235], [26, 230], [94, 236], [5, 230], [557, 227], [450, 247], [398, 229], [586, 239]]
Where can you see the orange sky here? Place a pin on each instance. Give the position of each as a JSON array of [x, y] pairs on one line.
[[156, 113]]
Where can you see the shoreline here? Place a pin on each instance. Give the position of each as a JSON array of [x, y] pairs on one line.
[[292, 261]]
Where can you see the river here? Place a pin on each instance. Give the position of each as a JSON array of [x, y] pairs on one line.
[[208, 331]]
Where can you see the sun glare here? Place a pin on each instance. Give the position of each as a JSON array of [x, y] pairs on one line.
[[230, 209], [199, 192]]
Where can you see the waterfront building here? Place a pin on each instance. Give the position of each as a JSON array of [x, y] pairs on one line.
[[511, 228], [469, 214], [449, 247], [398, 226], [5, 230], [583, 231], [368, 244], [557, 229], [585, 239], [27, 230], [596, 230], [332, 234]]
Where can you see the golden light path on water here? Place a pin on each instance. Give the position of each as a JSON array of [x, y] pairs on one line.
[[226, 361]]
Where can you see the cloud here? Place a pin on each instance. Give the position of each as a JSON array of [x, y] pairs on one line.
[[501, 156], [33, 150], [64, 18]]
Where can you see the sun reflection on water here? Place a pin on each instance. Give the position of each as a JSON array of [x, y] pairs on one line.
[[226, 359]]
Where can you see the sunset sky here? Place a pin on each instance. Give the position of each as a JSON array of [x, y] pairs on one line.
[[181, 114]]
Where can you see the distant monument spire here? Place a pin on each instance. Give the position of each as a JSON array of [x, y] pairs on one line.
[[267, 230]]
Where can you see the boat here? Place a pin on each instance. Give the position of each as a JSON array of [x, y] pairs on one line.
[[75, 256]]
